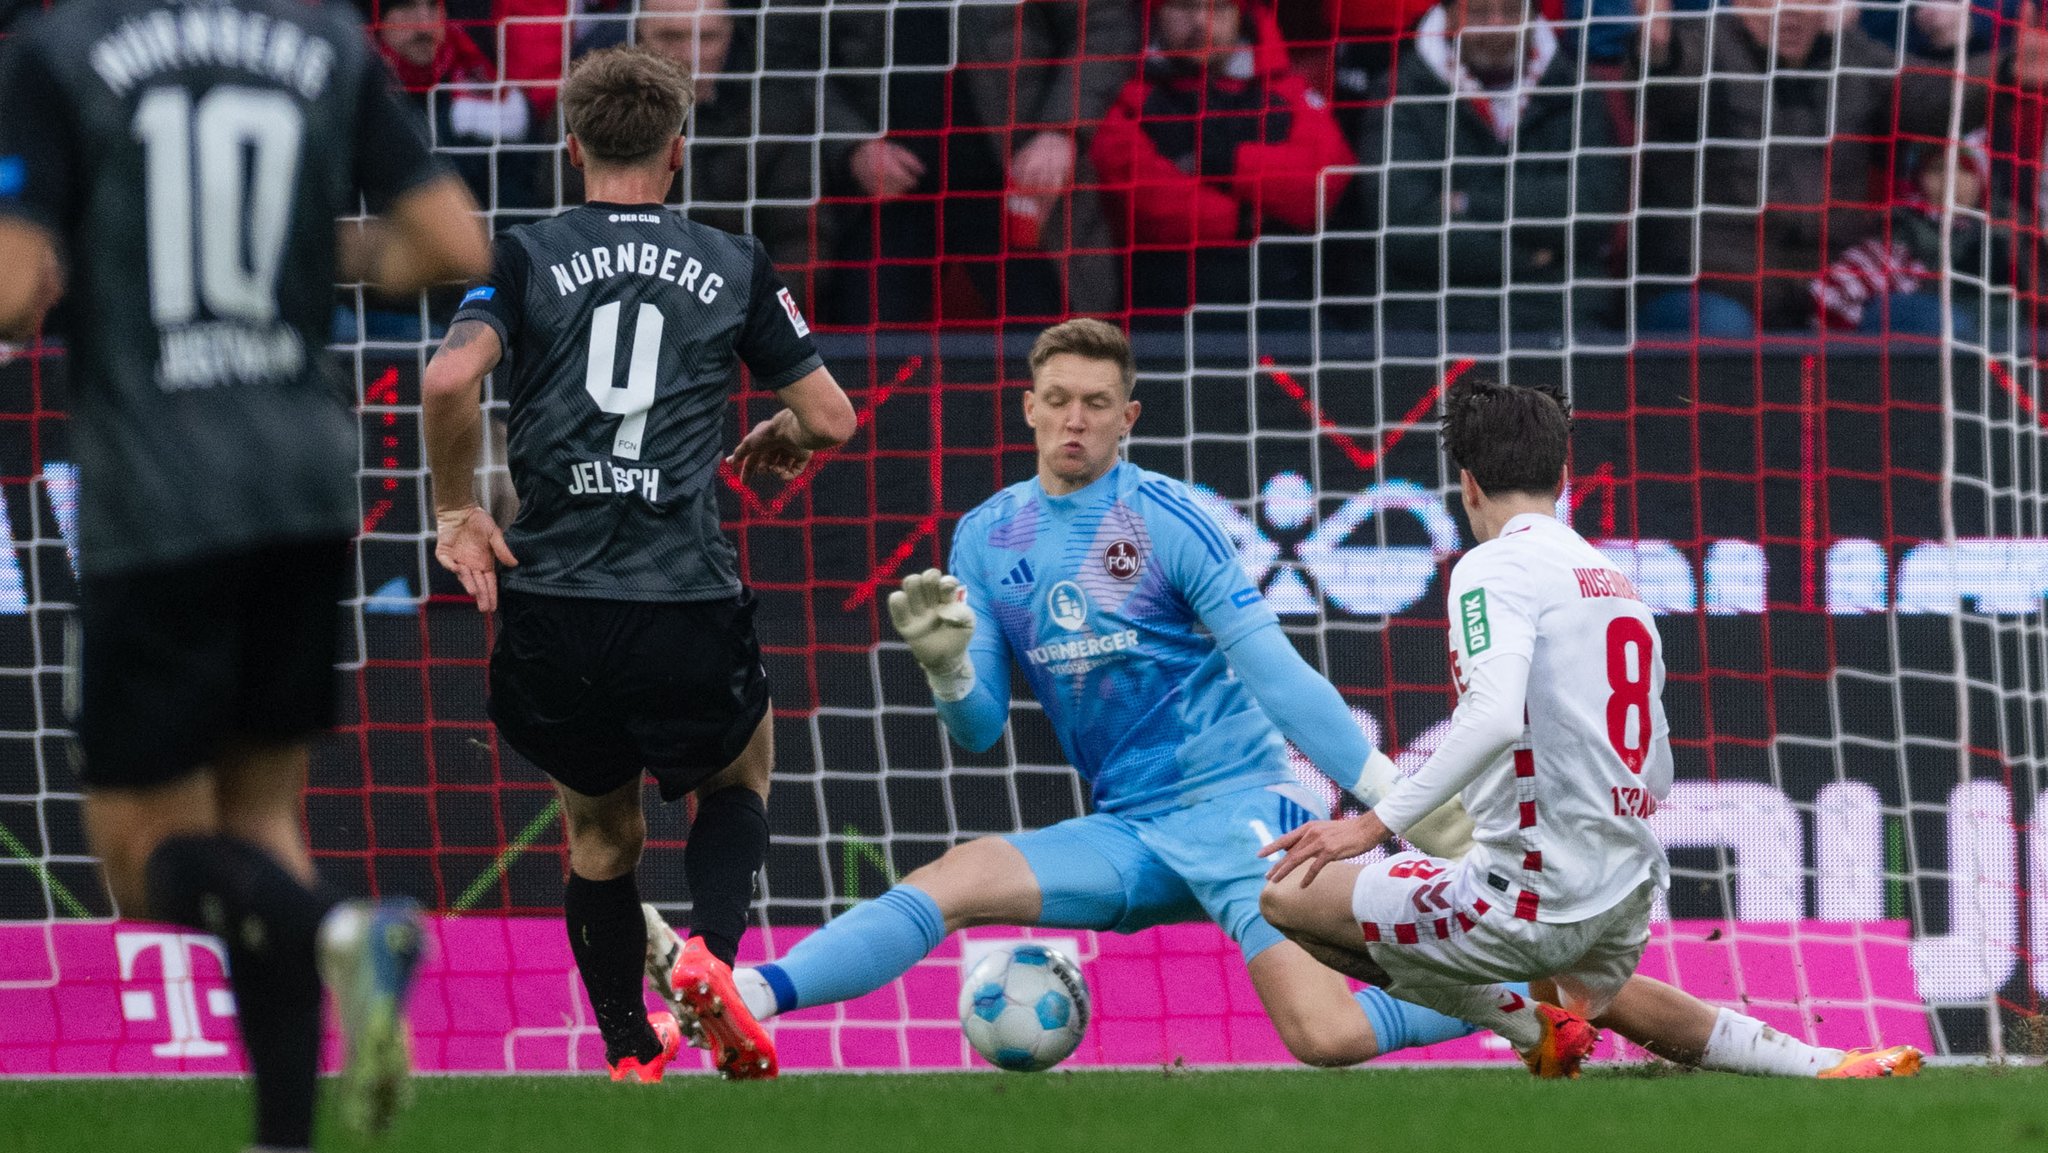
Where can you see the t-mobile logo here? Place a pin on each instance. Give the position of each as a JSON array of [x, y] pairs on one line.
[[175, 952]]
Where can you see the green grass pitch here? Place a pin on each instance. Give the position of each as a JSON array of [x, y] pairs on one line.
[[1359, 1111]]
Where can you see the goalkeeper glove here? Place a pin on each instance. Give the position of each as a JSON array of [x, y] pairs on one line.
[[932, 617]]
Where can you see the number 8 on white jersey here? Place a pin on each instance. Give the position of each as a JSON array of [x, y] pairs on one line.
[[1567, 822]]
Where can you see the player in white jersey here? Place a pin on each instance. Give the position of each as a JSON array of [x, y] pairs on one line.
[[1560, 751]]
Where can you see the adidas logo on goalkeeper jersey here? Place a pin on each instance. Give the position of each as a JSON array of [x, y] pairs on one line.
[[1021, 574]]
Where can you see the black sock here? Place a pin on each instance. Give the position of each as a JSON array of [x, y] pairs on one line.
[[270, 924], [728, 842], [609, 939]]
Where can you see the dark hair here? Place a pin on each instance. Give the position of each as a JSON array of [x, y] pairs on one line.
[[1510, 437], [624, 104], [1089, 339]]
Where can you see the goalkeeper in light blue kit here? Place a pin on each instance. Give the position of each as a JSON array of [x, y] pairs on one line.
[[1170, 685]]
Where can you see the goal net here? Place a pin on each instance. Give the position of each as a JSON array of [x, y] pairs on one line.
[[1816, 454]]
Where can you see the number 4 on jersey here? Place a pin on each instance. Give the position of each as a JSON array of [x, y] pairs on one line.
[[630, 403]]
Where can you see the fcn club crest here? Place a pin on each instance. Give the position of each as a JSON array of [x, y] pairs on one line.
[[1120, 560]]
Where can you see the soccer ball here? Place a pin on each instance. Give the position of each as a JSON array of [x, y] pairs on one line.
[[1024, 1007]]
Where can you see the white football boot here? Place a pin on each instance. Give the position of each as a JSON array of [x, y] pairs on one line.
[[663, 949]]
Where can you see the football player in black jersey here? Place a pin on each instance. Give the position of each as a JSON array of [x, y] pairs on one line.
[[174, 170], [626, 640]]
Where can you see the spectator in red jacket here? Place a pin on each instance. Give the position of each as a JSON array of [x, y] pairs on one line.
[[1366, 35], [1217, 143], [535, 36], [455, 87], [470, 119]]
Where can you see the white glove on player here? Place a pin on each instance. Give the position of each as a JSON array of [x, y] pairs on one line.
[[1375, 780], [931, 615], [1445, 833]]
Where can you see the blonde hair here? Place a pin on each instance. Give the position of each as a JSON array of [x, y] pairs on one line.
[[1089, 339]]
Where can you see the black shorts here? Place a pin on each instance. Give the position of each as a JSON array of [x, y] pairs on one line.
[[171, 662], [594, 691]]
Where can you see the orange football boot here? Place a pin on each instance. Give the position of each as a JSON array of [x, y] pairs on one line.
[[649, 1071], [1567, 1040], [741, 1048], [1897, 1061]]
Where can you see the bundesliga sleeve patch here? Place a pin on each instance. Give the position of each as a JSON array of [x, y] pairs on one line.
[[796, 315], [1472, 618], [476, 294]]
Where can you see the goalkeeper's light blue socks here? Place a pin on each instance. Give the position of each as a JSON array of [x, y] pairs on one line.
[[860, 951], [1402, 1024]]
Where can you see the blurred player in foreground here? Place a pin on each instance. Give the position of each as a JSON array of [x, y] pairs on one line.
[[1170, 685], [1560, 750], [183, 168], [626, 640]]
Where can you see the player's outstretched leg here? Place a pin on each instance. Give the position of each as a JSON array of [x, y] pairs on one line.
[[854, 954], [983, 882], [1678, 1026], [1553, 1042], [607, 931], [1398, 1024]]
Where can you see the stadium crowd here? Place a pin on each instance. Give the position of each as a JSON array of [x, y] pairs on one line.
[[1524, 171]]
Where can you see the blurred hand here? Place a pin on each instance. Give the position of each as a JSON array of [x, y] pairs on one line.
[[1942, 24], [1045, 164], [1656, 16], [1318, 843], [886, 170], [2030, 49], [771, 448], [469, 545]]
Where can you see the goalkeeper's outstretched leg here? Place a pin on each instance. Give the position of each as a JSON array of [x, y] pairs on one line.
[[1096, 873]]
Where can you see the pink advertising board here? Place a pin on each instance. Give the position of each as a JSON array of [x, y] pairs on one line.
[[500, 995]]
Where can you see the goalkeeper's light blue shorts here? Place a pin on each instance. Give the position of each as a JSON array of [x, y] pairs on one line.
[[1200, 863]]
